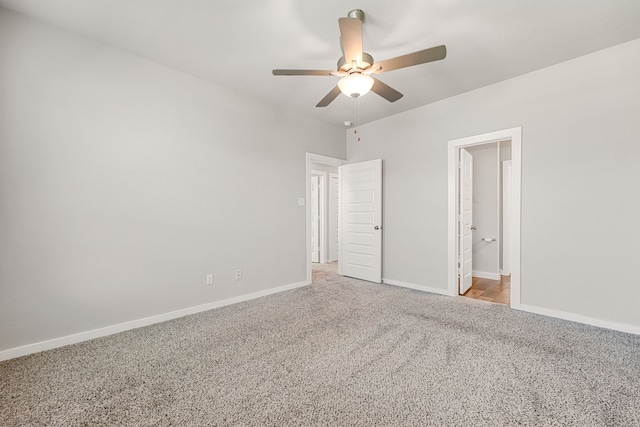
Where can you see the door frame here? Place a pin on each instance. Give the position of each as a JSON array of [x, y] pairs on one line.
[[453, 152], [322, 215], [505, 232], [330, 221], [314, 158]]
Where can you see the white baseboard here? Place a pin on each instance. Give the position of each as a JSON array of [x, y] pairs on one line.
[[146, 321], [485, 275], [622, 327], [416, 287]]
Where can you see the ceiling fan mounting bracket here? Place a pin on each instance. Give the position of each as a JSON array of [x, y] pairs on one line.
[[356, 13]]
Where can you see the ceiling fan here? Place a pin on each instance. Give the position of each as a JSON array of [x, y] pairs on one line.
[[355, 66]]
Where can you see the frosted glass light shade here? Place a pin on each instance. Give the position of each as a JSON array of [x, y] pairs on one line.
[[355, 85]]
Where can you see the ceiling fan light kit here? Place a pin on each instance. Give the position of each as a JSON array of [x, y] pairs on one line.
[[355, 85], [356, 66]]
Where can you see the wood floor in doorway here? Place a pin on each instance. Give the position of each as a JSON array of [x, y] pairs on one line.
[[498, 291]]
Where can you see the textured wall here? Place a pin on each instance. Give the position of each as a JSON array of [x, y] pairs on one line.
[[123, 183], [580, 152]]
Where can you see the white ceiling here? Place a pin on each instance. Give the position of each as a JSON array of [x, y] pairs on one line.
[[237, 43]]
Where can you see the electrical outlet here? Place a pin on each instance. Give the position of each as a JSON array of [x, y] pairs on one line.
[[209, 279], [238, 274]]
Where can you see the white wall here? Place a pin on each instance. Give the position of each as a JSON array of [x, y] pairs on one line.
[[485, 210], [123, 183], [579, 181]]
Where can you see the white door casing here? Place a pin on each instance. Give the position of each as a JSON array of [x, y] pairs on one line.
[[506, 218], [334, 196], [360, 253], [315, 219], [466, 220]]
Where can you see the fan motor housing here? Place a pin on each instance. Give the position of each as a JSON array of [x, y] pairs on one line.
[[356, 13], [367, 61]]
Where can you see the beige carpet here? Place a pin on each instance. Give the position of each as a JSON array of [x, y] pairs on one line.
[[339, 352]]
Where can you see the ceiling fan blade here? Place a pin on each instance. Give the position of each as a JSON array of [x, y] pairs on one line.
[[303, 72], [386, 91], [351, 36], [329, 97], [421, 57]]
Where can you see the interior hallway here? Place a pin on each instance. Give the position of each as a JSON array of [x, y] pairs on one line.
[[321, 272]]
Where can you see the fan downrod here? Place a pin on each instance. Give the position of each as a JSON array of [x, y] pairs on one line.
[[356, 13]]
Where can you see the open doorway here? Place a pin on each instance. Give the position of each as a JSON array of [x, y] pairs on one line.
[[497, 247], [358, 198], [488, 227], [322, 189]]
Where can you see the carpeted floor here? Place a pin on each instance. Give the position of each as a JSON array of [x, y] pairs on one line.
[[339, 352]]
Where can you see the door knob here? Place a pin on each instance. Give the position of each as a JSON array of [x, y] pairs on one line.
[[473, 228], [376, 228]]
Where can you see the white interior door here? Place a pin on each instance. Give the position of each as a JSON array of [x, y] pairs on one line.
[[315, 219], [334, 202], [466, 220], [361, 220]]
